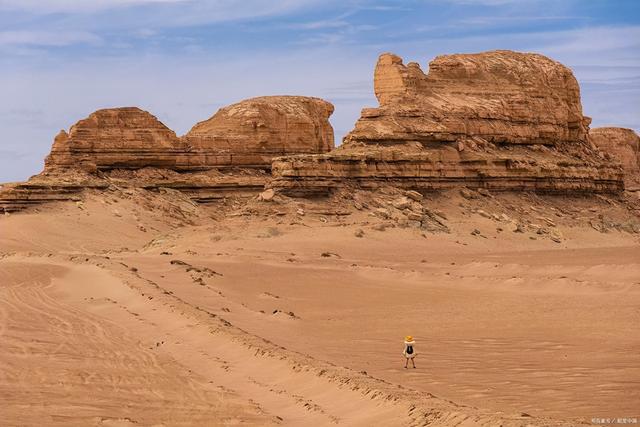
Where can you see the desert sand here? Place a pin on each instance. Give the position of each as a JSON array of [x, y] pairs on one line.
[[137, 308], [251, 273]]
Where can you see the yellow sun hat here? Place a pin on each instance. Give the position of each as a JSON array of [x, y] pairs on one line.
[[408, 338]]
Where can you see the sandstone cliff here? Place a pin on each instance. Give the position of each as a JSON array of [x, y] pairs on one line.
[[434, 169], [252, 132], [501, 120], [115, 138], [130, 147], [622, 145], [499, 96], [246, 134]]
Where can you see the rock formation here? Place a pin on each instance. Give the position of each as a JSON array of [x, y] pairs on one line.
[[501, 120], [129, 146], [115, 138], [622, 145], [246, 134], [43, 189], [501, 96], [433, 169], [252, 132]]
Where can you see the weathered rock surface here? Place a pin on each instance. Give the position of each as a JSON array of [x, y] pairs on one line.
[[252, 132], [500, 120], [246, 134], [500, 96], [63, 185], [132, 147], [434, 169], [622, 145], [115, 138], [38, 190]]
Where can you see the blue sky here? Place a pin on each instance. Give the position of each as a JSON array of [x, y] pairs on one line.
[[183, 59]]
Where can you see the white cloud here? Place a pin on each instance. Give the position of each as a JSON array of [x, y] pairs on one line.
[[145, 33], [488, 21], [593, 39], [75, 6], [316, 25], [492, 2], [47, 38], [160, 12], [321, 39]]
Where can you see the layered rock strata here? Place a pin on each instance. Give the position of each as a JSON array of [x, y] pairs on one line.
[[115, 138], [17, 196], [622, 145], [435, 169], [129, 146], [252, 132], [246, 134], [502, 120], [201, 187], [501, 96]]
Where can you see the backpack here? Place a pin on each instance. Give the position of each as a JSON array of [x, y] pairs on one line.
[[409, 349]]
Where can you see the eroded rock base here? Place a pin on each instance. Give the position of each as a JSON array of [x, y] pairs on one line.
[[517, 169], [205, 187]]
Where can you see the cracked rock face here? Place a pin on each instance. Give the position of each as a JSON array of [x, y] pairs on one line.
[[500, 96], [624, 146]]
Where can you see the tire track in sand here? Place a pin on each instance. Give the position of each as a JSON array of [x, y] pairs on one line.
[[60, 365]]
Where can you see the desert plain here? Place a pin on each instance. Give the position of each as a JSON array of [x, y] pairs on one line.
[[136, 309]]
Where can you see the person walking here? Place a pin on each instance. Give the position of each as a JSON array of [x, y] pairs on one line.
[[409, 351]]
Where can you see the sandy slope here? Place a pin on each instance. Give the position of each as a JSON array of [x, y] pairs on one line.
[[158, 316], [64, 366]]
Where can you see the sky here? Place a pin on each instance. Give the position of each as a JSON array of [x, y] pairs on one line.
[[181, 60]]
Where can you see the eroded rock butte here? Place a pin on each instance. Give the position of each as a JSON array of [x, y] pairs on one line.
[[502, 120], [229, 153], [500, 96], [246, 134], [252, 132]]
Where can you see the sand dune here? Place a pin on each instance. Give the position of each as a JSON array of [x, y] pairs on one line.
[[67, 366]]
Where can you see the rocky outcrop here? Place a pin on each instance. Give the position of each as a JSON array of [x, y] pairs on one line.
[[502, 120], [247, 134], [503, 97], [17, 196], [622, 145], [64, 185], [434, 169], [129, 146], [115, 138], [252, 132]]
